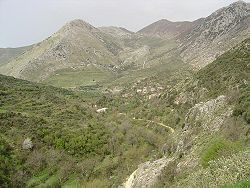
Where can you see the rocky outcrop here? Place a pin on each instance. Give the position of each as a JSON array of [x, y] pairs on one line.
[[27, 144], [146, 174]]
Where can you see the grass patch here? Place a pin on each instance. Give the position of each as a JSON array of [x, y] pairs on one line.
[[244, 184], [68, 78], [73, 182], [38, 180], [217, 148]]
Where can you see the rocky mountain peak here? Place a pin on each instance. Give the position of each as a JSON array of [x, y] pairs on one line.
[[223, 20], [239, 3], [239, 9], [76, 25], [166, 28], [79, 23]]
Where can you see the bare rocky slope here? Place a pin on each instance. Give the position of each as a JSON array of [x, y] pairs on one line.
[[216, 34], [202, 40]]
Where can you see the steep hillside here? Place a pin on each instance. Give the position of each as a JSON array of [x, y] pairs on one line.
[[168, 29], [216, 34]]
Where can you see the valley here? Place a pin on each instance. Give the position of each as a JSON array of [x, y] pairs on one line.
[[97, 107]]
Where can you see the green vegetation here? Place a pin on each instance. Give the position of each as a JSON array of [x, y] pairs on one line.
[[7, 163], [74, 146], [71, 141], [244, 184], [229, 72], [242, 107]]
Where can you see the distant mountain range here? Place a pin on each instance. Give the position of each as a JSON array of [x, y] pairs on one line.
[[78, 45]]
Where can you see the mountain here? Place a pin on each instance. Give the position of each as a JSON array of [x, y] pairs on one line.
[[6, 54], [168, 29], [202, 40], [216, 34], [135, 112], [75, 45], [80, 54]]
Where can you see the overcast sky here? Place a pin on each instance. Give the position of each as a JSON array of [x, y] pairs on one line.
[[24, 22]]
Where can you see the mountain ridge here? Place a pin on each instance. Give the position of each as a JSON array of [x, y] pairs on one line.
[[78, 44]]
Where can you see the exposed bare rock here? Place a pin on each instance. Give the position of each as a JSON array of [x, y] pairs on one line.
[[101, 110], [216, 34], [204, 112], [147, 173], [27, 144]]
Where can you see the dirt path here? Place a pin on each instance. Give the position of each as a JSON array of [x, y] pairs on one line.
[[161, 124]]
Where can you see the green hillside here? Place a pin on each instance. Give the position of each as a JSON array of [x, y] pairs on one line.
[[72, 143]]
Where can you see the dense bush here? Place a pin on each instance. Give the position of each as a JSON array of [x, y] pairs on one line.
[[7, 163], [242, 107], [229, 71]]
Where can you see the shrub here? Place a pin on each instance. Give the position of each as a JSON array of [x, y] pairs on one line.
[[6, 163]]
